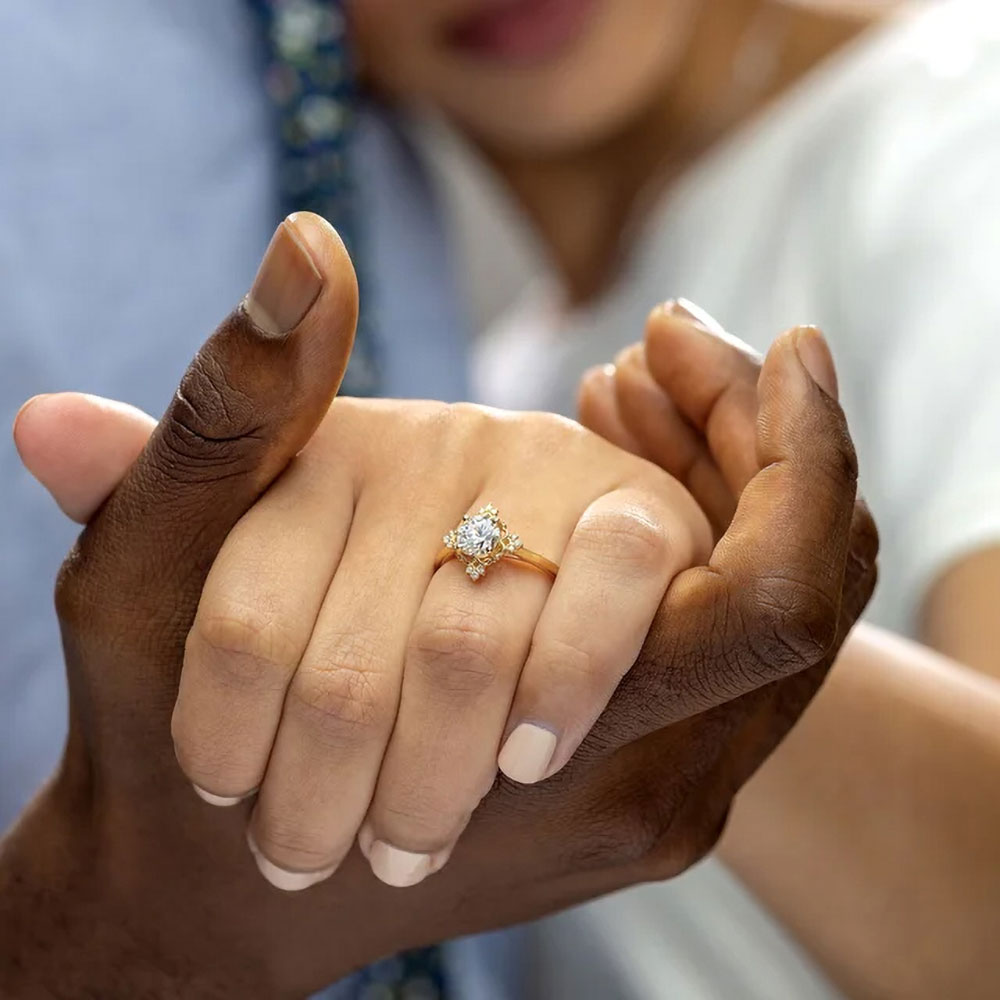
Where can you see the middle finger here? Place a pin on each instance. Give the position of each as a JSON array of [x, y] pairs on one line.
[[342, 702]]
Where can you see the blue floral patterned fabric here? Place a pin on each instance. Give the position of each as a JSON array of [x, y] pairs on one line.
[[310, 78]]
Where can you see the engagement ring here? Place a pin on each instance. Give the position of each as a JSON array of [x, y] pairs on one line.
[[482, 539]]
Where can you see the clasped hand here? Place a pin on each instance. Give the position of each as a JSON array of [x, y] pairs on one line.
[[260, 582]]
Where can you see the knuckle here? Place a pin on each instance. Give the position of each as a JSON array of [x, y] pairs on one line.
[[465, 421], [291, 845], [245, 648], [555, 425], [572, 665], [342, 705], [208, 763], [355, 651], [625, 537], [425, 820], [459, 651], [624, 835], [456, 428], [463, 413], [558, 434], [687, 843], [636, 839], [210, 423], [790, 624], [659, 829], [570, 657], [221, 766]]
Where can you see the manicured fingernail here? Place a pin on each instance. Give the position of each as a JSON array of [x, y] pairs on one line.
[[697, 317], [816, 359], [289, 881], [289, 279], [687, 310], [282, 878], [397, 867], [218, 800], [527, 754]]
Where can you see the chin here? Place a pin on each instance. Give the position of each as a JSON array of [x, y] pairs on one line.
[[562, 109], [586, 69]]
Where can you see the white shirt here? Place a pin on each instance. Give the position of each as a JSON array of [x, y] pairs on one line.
[[136, 195], [867, 202]]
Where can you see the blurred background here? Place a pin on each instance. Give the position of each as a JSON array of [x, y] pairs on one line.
[[520, 182]]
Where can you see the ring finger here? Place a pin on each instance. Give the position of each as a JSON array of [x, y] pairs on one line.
[[464, 656]]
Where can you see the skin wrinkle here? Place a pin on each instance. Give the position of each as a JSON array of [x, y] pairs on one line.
[[213, 908], [517, 843], [914, 770]]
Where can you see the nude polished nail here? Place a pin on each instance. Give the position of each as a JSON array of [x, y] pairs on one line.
[[397, 867], [283, 878], [219, 800], [289, 280], [695, 315], [527, 754]]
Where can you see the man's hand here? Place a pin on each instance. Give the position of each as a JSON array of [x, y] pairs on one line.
[[116, 883], [121, 882], [795, 564]]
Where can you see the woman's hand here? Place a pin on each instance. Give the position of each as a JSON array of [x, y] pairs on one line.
[[333, 671]]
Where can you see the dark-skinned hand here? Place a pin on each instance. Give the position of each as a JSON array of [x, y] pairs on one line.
[[120, 882]]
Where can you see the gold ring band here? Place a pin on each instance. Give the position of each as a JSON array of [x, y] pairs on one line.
[[523, 555], [479, 540]]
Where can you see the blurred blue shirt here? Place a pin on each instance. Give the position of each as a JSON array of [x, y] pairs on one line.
[[137, 193]]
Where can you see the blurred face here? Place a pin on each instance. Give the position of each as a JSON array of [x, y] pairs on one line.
[[526, 75]]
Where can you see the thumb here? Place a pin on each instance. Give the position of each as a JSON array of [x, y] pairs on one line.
[[246, 406], [79, 447], [771, 601]]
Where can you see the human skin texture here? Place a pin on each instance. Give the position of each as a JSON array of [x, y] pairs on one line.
[[871, 831], [119, 881]]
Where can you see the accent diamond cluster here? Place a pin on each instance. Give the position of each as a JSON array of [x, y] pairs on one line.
[[480, 540]]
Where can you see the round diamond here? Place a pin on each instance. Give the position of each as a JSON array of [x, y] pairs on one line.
[[478, 536]]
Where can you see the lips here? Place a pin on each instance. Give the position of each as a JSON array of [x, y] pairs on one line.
[[520, 30]]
